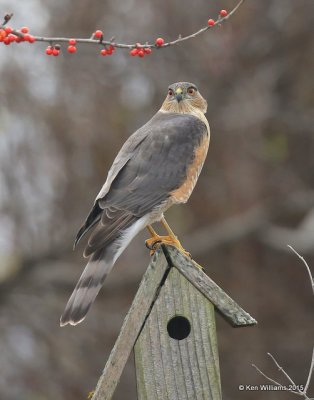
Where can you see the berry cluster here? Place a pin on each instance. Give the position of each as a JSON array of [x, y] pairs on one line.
[[53, 50], [108, 50], [222, 14], [140, 51], [108, 47], [72, 47], [8, 35]]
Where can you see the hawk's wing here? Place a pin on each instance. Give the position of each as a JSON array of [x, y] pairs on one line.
[[152, 163], [125, 153]]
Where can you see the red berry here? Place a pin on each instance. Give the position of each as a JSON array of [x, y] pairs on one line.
[[211, 22], [55, 52], [6, 40], [103, 52], [3, 34], [8, 29], [141, 53], [72, 42], [98, 34], [134, 52], [31, 39], [223, 13], [12, 38], [27, 37], [72, 49], [110, 50], [49, 50], [159, 41], [25, 29], [147, 50]]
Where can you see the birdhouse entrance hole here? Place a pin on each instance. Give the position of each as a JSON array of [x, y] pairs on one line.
[[179, 327]]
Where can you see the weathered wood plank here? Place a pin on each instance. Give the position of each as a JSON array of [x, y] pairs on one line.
[[227, 307], [132, 326], [171, 369]]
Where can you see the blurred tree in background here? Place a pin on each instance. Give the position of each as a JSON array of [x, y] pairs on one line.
[[62, 121]]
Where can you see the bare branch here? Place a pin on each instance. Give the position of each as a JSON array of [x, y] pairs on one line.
[[282, 370], [202, 30], [298, 391], [6, 19], [273, 380], [306, 265], [310, 373]]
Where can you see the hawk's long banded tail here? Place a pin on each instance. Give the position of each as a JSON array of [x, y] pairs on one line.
[[94, 274]]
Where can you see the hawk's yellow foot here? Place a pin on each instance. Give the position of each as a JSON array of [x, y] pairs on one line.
[[154, 242]]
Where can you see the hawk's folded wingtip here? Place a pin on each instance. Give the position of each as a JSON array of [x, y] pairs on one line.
[[75, 243], [78, 237], [64, 322]]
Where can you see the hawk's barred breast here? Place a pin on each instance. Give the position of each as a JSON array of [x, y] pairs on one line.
[[182, 194]]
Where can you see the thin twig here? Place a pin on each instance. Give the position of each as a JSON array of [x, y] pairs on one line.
[[310, 373], [273, 380], [298, 391], [281, 369], [306, 265], [51, 40], [193, 35], [6, 19]]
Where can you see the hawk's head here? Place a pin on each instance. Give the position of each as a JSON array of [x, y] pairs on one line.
[[184, 97]]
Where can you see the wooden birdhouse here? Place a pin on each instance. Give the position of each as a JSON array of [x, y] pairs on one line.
[[171, 326]]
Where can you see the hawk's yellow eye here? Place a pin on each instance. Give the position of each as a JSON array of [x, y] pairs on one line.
[[170, 92], [191, 90]]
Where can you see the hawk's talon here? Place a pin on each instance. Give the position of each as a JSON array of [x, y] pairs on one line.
[[153, 243]]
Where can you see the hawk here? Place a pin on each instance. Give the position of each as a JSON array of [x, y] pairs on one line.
[[157, 166]]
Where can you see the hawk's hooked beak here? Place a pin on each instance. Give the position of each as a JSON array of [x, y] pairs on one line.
[[179, 95]]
